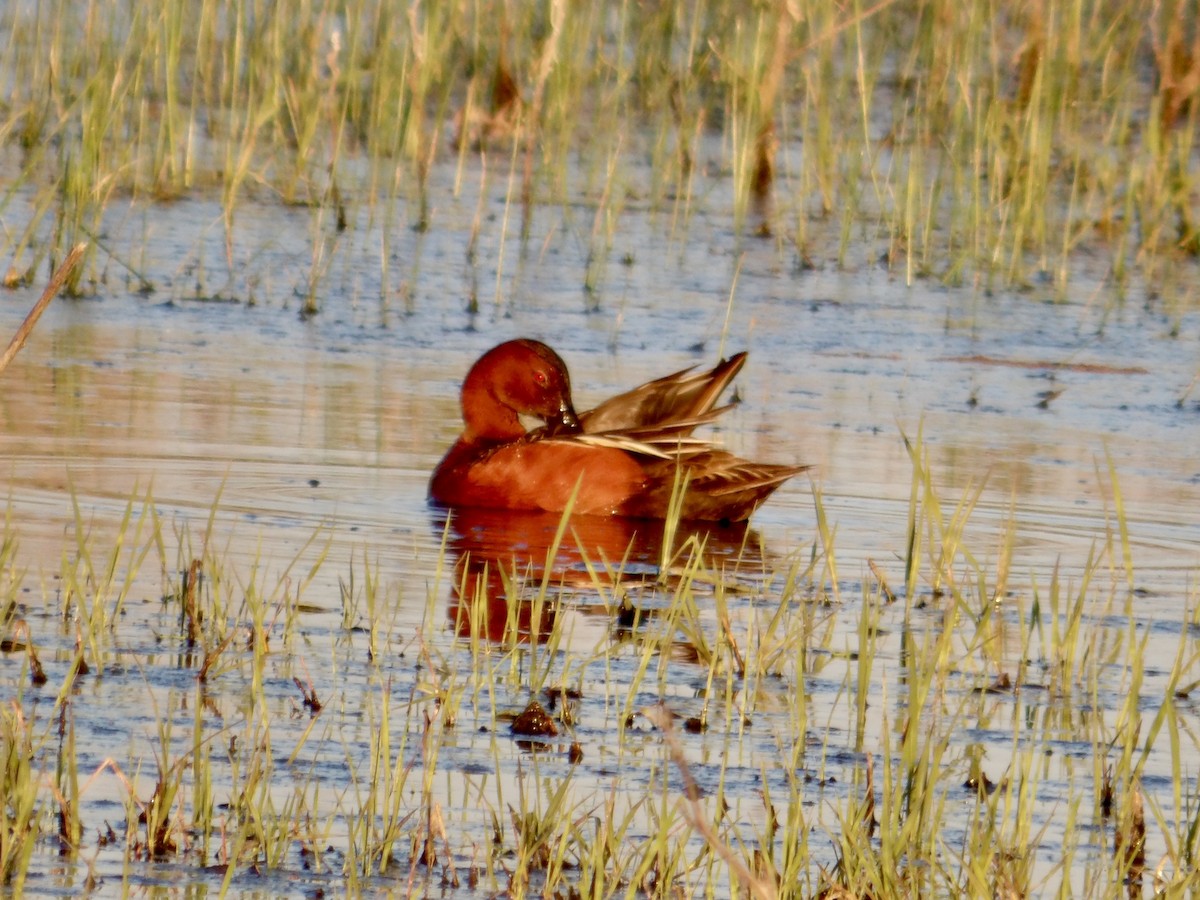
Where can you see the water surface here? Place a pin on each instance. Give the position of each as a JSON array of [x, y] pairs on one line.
[[307, 441]]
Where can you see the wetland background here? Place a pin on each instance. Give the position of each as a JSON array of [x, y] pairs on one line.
[[960, 242]]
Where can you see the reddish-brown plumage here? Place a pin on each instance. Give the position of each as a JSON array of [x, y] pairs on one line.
[[625, 455]]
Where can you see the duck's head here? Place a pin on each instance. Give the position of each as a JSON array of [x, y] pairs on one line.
[[517, 378]]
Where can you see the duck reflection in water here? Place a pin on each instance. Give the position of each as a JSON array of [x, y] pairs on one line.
[[511, 571]]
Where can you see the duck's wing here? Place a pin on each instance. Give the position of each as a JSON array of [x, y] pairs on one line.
[[719, 473], [721, 487], [724, 487], [643, 442], [675, 404]]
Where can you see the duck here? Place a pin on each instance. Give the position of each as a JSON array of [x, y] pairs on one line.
[[625, 457]]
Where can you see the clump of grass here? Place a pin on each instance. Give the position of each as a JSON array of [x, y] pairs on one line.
[[765, 725], [379, 818], [19, 807], [953, 144]]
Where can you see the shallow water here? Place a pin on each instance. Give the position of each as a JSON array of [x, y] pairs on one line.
[[312, 438]]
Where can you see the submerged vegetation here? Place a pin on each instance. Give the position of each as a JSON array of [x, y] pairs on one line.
[[811, 739], [994, 142]]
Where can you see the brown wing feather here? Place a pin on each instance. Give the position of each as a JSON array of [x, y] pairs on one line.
[[678, 402]]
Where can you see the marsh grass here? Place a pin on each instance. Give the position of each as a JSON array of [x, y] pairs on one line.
[[753, 730], [953, 142]]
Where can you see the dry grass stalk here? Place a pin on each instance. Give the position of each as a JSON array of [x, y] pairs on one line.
[[1178, 65], [57, 280]]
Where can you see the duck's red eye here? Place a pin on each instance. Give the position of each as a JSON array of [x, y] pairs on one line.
[[540, 378]]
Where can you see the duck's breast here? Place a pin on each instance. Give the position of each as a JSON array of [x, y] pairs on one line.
[[539, 475]]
